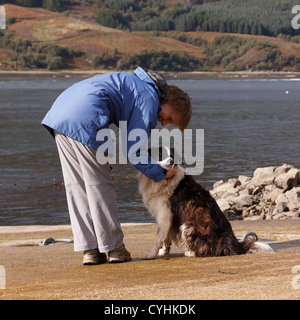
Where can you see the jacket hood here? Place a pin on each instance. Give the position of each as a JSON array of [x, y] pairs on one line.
[[156, 80]]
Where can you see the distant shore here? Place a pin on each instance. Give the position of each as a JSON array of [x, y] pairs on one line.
[[168, 74]]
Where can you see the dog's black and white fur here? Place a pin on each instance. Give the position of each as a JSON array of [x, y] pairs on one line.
[[185, 211]]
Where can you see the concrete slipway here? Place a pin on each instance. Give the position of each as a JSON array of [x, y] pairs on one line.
[[55, 271]]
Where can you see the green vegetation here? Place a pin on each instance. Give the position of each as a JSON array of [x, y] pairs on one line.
[[52, 5], [112, 19], [158, 35], [159, 60], [227, 52], [30, 56], [224, 53], [256, 17]]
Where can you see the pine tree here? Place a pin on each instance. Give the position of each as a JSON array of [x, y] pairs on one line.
[[52, 5]]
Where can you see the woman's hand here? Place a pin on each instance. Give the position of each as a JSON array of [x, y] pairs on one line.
[[171, 173]]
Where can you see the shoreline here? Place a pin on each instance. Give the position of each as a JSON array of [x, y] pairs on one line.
[[168, 74]]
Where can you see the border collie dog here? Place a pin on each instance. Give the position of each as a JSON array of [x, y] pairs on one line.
[[185, 211]]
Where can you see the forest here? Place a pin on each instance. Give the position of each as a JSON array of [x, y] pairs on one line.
[[256, 17]]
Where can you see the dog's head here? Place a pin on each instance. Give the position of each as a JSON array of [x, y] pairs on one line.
[[163, 156]]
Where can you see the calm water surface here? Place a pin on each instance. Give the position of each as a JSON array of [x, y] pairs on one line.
[[247, 124]]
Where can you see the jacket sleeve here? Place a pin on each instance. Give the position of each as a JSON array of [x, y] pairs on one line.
[[142, 120]]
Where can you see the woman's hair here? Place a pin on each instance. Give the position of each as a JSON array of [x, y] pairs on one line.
[[181, 104]]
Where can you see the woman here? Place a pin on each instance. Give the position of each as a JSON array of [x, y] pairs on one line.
[[74, 119]]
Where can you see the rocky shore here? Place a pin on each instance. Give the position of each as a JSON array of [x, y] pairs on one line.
[[272, 193]]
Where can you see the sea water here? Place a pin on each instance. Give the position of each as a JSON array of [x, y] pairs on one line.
[[248, 123]]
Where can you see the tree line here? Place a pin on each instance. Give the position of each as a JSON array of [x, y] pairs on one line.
[[256, 17]]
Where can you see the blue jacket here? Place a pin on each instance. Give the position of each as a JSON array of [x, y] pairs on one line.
[[95, 103]]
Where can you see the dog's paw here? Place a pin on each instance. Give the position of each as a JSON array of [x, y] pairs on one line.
[[149, 256], [165, 250], [162, 252], [190, 254]]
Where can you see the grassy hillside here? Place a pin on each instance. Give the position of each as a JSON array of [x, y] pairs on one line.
[[40, 39]]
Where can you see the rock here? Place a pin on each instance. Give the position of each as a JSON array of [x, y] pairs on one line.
[[269, 211], [278, 216], [260, 217], [217, 184], [257, 190], [244, 179], [288, 180], [223, 204], [281, 199], [282, 208], [243, 191], [243, 201], [293, 194], [250, 186], [293, 206], [293, 199], [297, 214], [219, 191], [291, 214], [272, 193], [282, 169], [285, 215], [263, 176], [234, 182], [231, 193], [250, 211]]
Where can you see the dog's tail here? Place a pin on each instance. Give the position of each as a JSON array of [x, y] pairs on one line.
[[200, 245], [252, 246]]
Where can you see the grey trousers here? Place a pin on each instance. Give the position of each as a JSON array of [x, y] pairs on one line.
[[91, 197]]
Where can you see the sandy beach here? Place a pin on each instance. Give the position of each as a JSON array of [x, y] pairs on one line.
[[55, 272]]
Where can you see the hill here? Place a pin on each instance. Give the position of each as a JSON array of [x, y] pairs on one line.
[[41, 39]]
